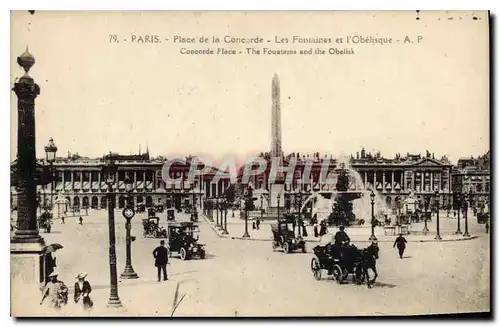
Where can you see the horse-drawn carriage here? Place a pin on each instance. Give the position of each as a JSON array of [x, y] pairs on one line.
[[45, 221], [152, 228], [182, 239], [285, 239], [340, 261]]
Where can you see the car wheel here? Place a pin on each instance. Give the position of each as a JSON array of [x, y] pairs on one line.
[[183, 253], [286, 247], [337, 273], [202, 255], [316, 268]]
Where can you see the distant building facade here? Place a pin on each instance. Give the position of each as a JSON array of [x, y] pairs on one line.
[[79, 181], [473, 175]]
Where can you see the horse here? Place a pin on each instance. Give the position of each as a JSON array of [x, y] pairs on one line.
[[369, 258]]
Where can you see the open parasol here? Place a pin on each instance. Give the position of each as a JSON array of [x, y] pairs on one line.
[[53, 247]]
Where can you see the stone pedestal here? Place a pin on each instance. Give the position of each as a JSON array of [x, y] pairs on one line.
[[27, 276]]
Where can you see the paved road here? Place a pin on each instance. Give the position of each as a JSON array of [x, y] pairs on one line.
[[247, 278]]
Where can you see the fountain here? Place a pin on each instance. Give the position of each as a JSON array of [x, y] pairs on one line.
[[349, 202]]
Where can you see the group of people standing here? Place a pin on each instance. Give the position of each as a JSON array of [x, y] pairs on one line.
[[56, 292]]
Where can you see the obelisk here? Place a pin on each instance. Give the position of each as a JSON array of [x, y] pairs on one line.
[[276, 187], [276, 119]]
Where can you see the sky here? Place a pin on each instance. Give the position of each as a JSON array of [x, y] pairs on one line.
[[98, 96]]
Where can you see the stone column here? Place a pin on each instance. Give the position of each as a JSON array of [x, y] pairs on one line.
[[413, 180], [383, 181], [392, 181], [374, 180], [365, 174], [135, 179], [26, 245], [431, 181]]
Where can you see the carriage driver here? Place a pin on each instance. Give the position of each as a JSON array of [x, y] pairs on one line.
[[341, 237]]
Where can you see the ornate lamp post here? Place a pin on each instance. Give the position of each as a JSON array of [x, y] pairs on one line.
[[261, 207], [194, 212], [438, 236], [128, 214], [372, 202], [217, 212], [224, 231], [299, 213], [109, 172], [50, 156], [248, 197], [458, 197], [279, 225], [466, 214], [427, 199]]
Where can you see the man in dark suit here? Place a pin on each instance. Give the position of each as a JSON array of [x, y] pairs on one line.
[[161, 260]]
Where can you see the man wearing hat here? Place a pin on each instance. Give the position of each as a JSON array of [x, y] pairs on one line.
[[161, 259], [82, 291], [401, 243], [56, 290]]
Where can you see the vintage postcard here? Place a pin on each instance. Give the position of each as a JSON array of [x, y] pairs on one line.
[[250, 164]]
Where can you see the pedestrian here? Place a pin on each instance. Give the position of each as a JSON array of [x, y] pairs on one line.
[[323, 230], [487, 226], [50, 265], [304, 230], [57, 292], [80, 220], [315, 228], [161, 259], [82, 291], [62, 219], [401, 243], [257, 223], [253, 225], [454, 213]]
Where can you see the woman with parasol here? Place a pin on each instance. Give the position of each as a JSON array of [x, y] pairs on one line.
[[50, 260]]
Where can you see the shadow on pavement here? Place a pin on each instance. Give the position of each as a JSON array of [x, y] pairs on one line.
[[380, 284], [407, 257]]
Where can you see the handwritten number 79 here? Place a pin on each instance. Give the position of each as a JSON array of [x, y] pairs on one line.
[[113, 38]]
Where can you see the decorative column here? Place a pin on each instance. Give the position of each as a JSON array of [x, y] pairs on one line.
[[413, 180], [432, 181], [365, 180], [392, 181], [374, 180], [26, 245], [383, 181]]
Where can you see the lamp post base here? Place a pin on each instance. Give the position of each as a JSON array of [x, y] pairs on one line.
[[246, 235], [458, 232], [114, 303], [466, 234], [225, 232], [129, 273], [438, 237], [373, 238]]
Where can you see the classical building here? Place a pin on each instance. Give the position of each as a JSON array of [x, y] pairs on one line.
[[394, 179], [473, 175], [79, 181]]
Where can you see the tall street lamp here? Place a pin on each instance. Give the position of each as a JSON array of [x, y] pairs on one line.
[[466, 214], [248, 197], [50, 156], [128, 214], [372, 202], [427, 199], [224, 231], [279, 225], [109, 174], [299, 213], [458, 197], [261, 207], [438, 236], [217, 212]]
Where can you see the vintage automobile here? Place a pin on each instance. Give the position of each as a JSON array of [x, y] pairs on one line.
[[152, 228], [285, 239], [182, 239], [171, 214], [328, 257], [140, 208], [45, 221]]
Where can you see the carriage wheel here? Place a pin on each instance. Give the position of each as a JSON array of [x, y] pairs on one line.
[[155, 234], [286, 247], [183, 254], [337, 273], [316, 268]]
